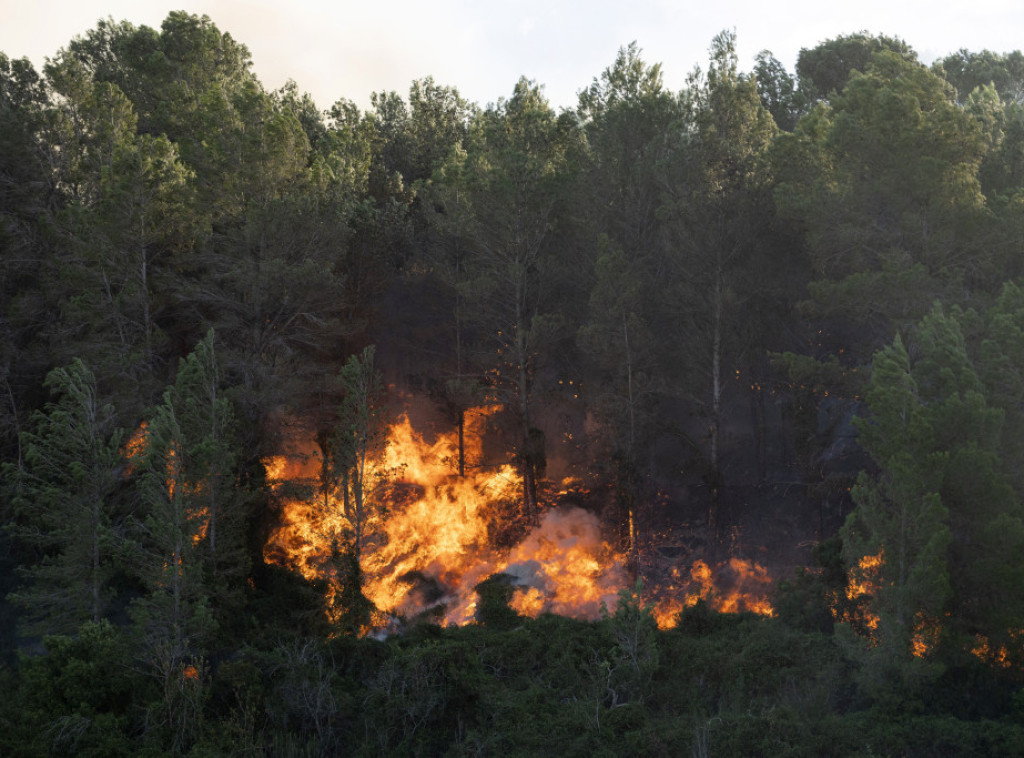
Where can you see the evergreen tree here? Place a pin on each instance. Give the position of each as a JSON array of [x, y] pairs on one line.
[[358, 442], [501, 193], [941, 512], [63, 498], [900, 516], [28, 199], [629, 120], [189, 548], [353, 470], [884, 180], [718, 213]]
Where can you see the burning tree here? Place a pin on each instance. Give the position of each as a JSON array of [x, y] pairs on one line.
[[501, 194], [900, 513], [358, 440], [940, 512], [186, 555]]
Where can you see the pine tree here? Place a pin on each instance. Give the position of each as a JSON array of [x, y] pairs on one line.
[[900, 515], [63, 504], [940, 512], [190, 543]]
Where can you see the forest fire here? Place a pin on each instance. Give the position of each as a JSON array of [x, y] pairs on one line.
[[864, 581], [135, 451], [431, 540]]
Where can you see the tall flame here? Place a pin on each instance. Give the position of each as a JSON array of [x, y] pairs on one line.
[[437, 539]]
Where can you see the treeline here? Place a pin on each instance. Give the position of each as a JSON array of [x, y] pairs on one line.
[[691, 283]]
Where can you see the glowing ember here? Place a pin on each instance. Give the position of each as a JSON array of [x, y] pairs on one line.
[[863, 582], [134, 452], [925, 637], [864, 579], [435, 543], [135, 448], [1000, 656]]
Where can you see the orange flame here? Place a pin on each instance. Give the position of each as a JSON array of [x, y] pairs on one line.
[[435, 543], [739, 585], [135, 450], [864, 581]]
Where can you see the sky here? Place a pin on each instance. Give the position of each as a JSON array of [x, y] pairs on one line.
[[343, 49]]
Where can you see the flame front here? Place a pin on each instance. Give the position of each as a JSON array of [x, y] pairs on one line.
[[436, 541]]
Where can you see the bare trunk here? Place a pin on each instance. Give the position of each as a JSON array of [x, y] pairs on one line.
[[459, 400], [462, 442], [527, 463], [760, 424], [14, 415], [177, 566], [144, 294], [96, 517], [214, 474], [527, 453], [629, 384], [716, 398], [630, 484]]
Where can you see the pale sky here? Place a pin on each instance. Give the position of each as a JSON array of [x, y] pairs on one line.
[[350, 49]]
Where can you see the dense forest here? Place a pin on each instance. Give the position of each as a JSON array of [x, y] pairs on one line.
[[756, 348]]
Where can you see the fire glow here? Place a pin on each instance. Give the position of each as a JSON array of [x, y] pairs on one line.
[[435, 543]]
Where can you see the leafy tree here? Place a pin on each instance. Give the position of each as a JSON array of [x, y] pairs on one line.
[[78, 698], [778, 90], [967, 71], [64, 510], [824, 70], [885, 182]]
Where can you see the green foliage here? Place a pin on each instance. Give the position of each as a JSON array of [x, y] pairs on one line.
[[493, 596], [940, 495], [646, 249], [778, 91], [816, 597], [824, 70], [189, 551], [354, 610], [359, 439], [630, 668], [77, 698], [885, 178], [64, 508], [967, 71]]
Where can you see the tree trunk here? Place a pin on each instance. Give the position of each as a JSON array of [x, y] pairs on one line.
[[716, 401], [462, 442]]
